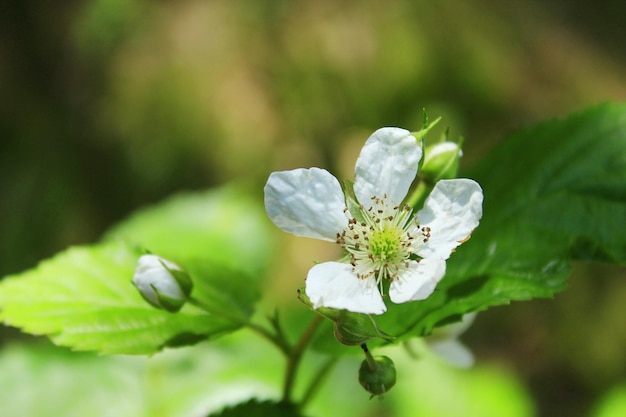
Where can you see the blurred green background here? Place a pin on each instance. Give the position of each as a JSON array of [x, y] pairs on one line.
[[109, 105]]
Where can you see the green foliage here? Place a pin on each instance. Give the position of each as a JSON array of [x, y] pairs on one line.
[[255, 408], [45, 381], [38, 380], [84, 298], [41, 380], [613, 403], [222, 225], [428, 388], [566, 202]]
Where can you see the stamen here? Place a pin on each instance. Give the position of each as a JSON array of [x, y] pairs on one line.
[[383, 243]]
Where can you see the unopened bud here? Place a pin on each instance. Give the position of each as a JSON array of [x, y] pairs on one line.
[[162, 283], [377, 375], [441, 161]]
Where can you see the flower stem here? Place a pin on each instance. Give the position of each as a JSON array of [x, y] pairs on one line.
[[418, 196], [277, 339], [295, 355], [369, 358], [315, 384]]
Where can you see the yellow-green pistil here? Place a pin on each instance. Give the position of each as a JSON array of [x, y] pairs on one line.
[[385, 244], [382, 243]]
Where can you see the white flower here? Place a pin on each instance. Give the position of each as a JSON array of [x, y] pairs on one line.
[[383, 239], [162, 283]]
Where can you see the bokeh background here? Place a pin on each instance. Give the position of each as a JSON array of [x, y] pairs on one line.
[[109, 105]]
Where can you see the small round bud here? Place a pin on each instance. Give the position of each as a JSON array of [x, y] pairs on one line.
[[441, 161], [378, 375], [162, 283]]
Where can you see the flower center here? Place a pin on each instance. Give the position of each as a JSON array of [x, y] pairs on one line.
[[383, 241], [385, 244]]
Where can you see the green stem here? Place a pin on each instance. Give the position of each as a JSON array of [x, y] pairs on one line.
[[418, 196], [369, 358], [276, 339], [317, 380], [295, 355]]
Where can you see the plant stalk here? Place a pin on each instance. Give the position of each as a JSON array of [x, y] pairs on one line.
[[295, 355]]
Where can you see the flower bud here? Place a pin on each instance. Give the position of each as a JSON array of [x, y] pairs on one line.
[[378, 375], [162, 283], [441, 161]]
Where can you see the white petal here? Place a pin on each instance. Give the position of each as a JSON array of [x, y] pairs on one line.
[[452, 210], [441, 149], [306, 202], [334, 285], [387, 165], [453, 351], [418, 282], [150, 274]]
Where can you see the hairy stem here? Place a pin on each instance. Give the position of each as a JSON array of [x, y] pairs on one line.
[[295, 355]]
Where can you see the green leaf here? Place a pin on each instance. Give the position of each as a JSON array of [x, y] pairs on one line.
[[84, 298], [44, 381], [256, 408], [222, 225], [349, 328], [41, 380], [553, 193]]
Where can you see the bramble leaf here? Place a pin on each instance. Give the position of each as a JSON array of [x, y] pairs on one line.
[[554, 193], [84, 298]]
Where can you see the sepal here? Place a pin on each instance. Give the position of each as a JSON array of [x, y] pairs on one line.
[[349, 328]]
